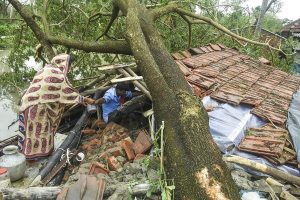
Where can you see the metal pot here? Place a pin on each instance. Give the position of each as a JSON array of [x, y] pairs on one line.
[[91, 109], [14, 161]]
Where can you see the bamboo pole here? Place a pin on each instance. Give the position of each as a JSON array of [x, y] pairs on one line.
[[132, 73], [263, 168], [136, 83]]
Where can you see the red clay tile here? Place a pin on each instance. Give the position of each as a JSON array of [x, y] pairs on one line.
[[139, 156], [186, 54], [97, 168], [215, 47], [115, 151], [128, 148], [222, 46], [113, 163], [143, 142], [196, 51], [185, 70], [177, 56]]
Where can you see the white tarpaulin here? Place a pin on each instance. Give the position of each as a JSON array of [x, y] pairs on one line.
[[227, 124]]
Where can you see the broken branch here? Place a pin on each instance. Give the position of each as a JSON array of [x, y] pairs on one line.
[[263, 168], [220, 27]]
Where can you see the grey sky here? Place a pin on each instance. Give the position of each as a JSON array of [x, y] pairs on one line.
[[290, 8]]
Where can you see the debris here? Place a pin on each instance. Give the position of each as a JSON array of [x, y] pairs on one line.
[[66, 159], [264, 141], [97, 168], [251, 196], [37, 193], [88, 131], [286, 195], [128, 148], [263, 168], [87, 187], [113, 163], [143, 142]]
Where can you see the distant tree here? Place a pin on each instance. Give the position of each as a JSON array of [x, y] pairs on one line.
[[265, 6]]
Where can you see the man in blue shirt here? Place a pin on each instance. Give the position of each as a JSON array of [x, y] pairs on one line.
[[113, 98]]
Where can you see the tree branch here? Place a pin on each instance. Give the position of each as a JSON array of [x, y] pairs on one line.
[[115, 13], [33, 26], [116, 47], [181, 11], [44, 17], [158, 12]]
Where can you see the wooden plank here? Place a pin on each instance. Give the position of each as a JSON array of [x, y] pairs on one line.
[[119, 80], [111, 67]]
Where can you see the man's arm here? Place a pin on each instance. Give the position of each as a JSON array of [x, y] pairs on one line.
[[136, 93], [100, 101]]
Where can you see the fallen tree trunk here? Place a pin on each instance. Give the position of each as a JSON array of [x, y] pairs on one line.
[[263, 168], [128, 107], [32, 193]]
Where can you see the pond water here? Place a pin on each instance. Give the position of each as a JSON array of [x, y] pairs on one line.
[[8, 110]]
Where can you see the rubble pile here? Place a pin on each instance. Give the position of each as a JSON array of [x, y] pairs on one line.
[[117, 157], [273, 144]]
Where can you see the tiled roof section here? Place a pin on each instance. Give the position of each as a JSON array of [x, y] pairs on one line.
[[229, 76], [293, 27]]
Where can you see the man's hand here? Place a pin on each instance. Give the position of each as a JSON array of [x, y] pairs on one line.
[[88, 100]]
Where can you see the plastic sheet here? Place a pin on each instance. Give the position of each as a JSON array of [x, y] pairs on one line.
[[227, 125], [227, 122], [293, 122]]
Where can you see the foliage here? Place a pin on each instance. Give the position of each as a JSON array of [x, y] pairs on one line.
[[72, 19]]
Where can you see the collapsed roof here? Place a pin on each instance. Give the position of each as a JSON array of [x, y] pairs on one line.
[[293, 27], [229, 76]]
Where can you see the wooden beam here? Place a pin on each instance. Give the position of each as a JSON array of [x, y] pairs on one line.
[[119, 80], [132, 73], [136, 83], [118, 66]]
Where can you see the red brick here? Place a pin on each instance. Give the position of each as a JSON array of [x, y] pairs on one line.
[[127, 146], [113, 163], [139, 156], [97, 168], [143, 143], [115, 151], [104, 155]]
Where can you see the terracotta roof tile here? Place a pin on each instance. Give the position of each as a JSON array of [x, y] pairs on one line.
[[186, 53], [178, 56], [196, 51], [232, 77], [215, 47]]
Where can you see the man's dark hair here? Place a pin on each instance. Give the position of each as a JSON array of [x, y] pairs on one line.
[[122, 86]]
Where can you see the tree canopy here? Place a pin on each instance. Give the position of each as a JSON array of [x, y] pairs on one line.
[[100, 32]]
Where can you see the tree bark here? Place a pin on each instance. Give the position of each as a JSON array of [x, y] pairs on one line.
[[33, 193], [192, 158]]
